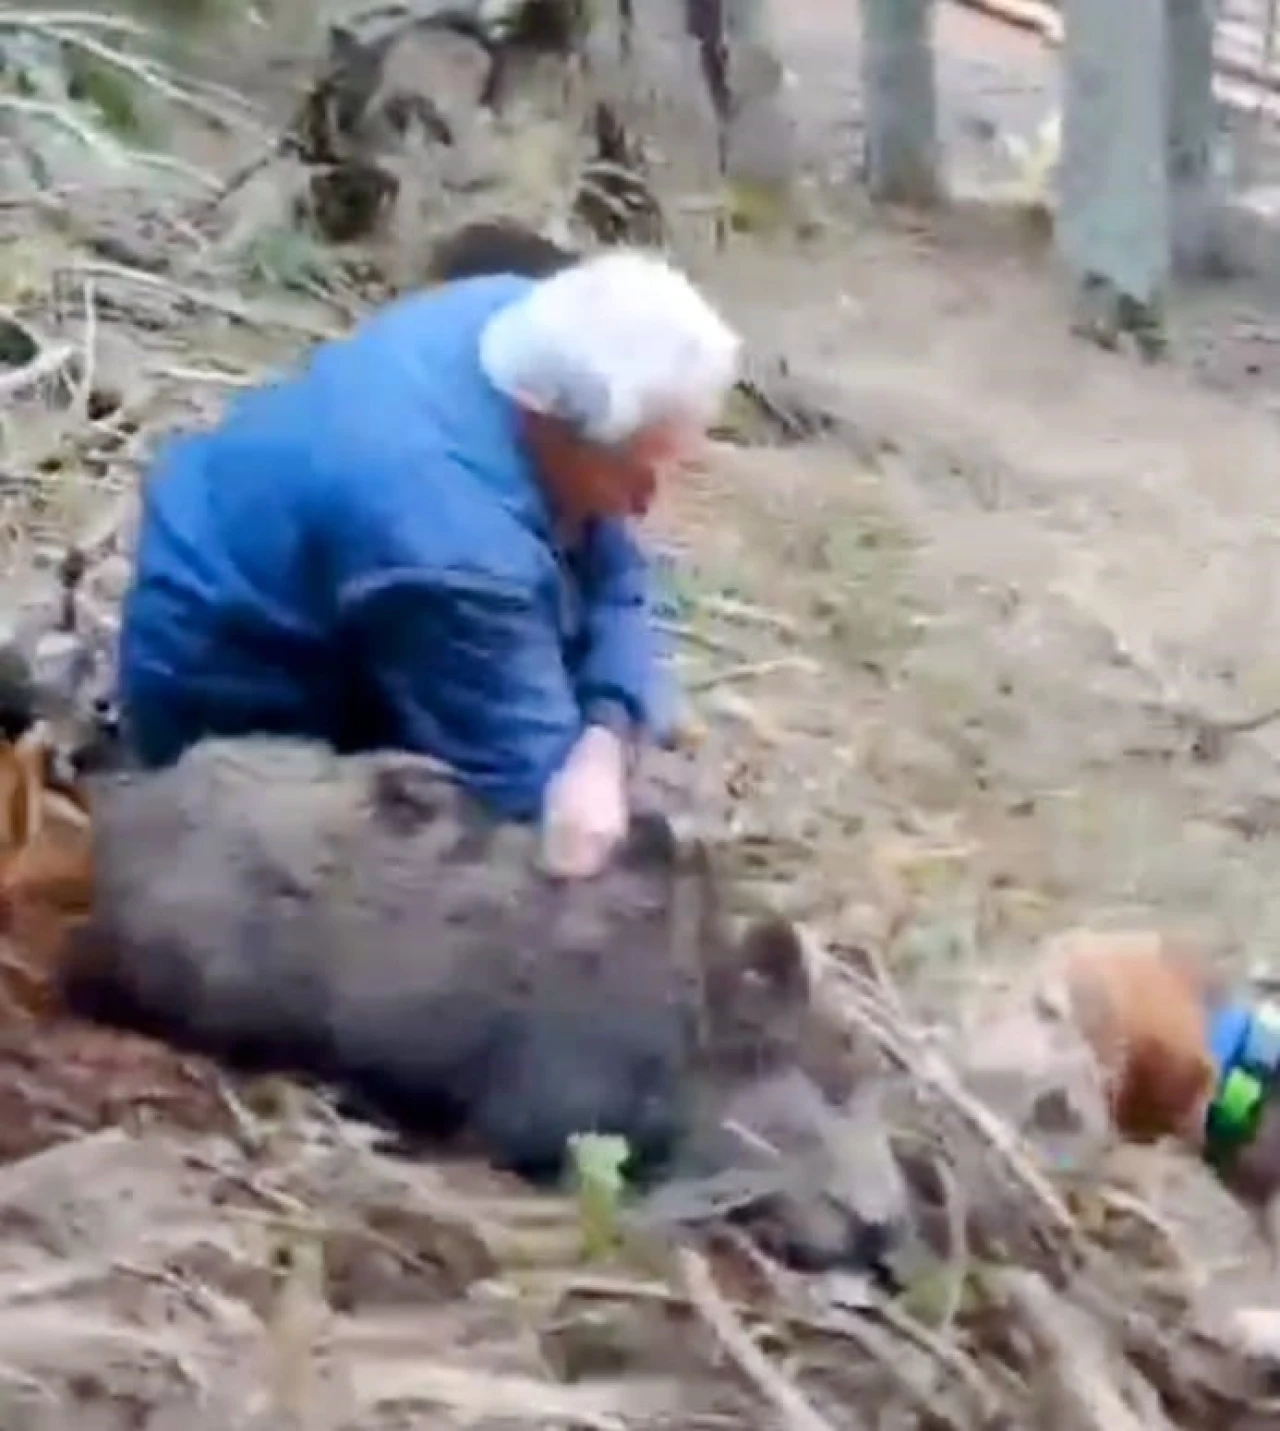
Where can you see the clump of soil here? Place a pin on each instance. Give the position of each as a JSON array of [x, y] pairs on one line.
[[61, 1079]]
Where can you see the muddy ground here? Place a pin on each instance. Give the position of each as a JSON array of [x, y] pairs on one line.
[[963, 671]]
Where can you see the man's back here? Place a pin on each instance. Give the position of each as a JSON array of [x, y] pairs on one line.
[[251, 531]]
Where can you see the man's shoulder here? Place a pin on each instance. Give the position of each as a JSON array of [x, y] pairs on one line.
[[476, 530], [453, 533]]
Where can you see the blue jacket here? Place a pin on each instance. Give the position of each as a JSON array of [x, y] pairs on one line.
[[361, 553]]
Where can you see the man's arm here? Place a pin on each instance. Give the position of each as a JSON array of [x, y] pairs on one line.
[[472, 674], [617, 679]]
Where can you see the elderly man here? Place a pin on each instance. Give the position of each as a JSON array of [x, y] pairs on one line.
[[423, 540]]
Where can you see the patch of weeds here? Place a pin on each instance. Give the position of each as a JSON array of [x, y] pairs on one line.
[[866, 605], [675, 587], [31, 67], [932, 1296], [944, 941], [756, 208], [35, 67], [685, 590], [110, 93], [739, 420], [191, 14], [285, 257]]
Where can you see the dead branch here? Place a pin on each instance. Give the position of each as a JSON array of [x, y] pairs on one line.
[[237, 309], [145, 72], [784, 1396], [1075, 1358], [53, 362]]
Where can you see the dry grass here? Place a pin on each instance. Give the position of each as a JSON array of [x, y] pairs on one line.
[[291, 1273]]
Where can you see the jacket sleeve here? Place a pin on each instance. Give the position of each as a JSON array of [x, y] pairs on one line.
[[472, 674], [620, 665]]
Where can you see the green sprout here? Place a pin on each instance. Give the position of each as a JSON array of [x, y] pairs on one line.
[[598, 1161]]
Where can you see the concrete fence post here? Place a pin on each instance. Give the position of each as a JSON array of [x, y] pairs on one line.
[[1114, 222], [1195, 195], [900, 100]]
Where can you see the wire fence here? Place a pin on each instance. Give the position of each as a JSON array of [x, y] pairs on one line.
[[1248, 83]]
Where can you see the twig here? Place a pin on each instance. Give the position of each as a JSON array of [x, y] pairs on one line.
[[1242, 725], [71, 19], [1120, 1201], [688, 1201], [475, 1397], [750, 671], [929, 1069], [65, 118], [743, 613], [189, 1289], [90, 340], [946, 1353], [159, 369], [876, 1343], [249, 1132], [1076, 1357], [784, 1396], [879, 971], [233, 308], [120, 156], [167, 163], [49, 364], [143, 71], [683, 632], [1037, 19], [241, 176], [33, 1385], [1209, 734], [854, 1328]]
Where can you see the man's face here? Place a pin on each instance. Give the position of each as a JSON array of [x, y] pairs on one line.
[[624, 480], [587, 481]]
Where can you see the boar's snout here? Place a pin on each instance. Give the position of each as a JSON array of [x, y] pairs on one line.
[[836, 1199]]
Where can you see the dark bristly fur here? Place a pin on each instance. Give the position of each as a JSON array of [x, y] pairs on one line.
[[491, 246], [17, 693], [358, 920]]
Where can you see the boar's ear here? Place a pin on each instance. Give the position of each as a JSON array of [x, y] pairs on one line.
[[408, 794], [773, 951]]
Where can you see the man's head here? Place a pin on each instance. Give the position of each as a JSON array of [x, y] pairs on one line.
[[492, 246], [618, 365]]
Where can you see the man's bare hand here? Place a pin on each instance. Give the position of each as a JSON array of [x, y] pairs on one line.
[[585, 813]]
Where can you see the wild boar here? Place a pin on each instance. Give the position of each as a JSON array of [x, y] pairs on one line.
[[358, 920]]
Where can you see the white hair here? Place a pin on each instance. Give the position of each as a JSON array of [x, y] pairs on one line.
[[611, 346]]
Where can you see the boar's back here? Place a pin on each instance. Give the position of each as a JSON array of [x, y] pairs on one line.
[[358, 919]]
